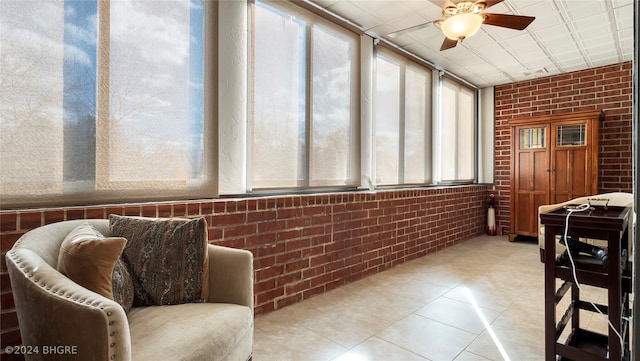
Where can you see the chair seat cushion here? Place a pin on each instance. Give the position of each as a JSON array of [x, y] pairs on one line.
[[192, 331]]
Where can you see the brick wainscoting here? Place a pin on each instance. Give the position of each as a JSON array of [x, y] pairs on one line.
[[303, 245], [607, 88]]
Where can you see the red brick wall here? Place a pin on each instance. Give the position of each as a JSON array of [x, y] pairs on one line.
[[607, 88], [303, 245]]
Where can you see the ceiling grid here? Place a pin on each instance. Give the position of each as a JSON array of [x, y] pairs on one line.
[[567, 35]]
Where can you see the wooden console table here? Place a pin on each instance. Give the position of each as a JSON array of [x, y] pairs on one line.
[[602, 223]]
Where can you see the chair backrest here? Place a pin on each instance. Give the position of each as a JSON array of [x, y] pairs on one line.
[[54, 310], [45, 241], [620, 199]]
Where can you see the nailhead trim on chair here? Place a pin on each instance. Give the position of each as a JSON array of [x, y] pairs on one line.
[[97, 304]]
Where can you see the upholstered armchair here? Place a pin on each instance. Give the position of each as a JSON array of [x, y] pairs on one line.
[[53, 310]]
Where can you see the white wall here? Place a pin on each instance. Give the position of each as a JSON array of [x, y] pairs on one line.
[[486, 136]]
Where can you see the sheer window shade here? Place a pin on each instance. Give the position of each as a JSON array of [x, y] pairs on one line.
[[304, 96], [31, 98], [331, 127], [457, 132], [387, 121], [121, 101], [417, 133], [402, 114]]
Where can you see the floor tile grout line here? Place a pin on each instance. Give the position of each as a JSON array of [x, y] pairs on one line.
[[418, 273]]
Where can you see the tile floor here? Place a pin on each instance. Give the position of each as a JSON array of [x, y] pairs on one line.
[[479, 300]]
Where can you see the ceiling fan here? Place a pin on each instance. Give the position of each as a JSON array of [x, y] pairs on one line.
[[461, 19]]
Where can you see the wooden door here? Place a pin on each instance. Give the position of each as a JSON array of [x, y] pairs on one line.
[[571, 170], [532, 170]]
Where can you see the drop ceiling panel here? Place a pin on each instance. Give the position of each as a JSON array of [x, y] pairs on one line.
[[430, 11], [415, 4], [539, 63], [393, 12], [622, 18], [566, 35], [432, 38], [495, 53], [570, 62], [523, 43], [481, 38], [372, 6], [546, 15], [619, 3], [410, 19], [349, 11], [500, 8], [552, 32], [593, 26], [556, 54], [502, 33], [583, 8]]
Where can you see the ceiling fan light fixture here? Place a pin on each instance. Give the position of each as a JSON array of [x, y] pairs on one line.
[[461, 26]]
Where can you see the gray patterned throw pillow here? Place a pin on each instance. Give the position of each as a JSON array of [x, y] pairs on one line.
[[167, 258]]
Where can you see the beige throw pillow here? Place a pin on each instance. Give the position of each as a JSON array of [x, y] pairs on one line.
[[88, 259]]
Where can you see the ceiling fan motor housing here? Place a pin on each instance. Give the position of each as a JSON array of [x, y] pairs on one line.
[[464, 8], [464, 18]]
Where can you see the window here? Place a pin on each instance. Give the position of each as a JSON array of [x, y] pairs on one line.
[[304, 100], [101, 99], [457, 132], [104, 101], [402, 121], [574, 134], [532, 138]]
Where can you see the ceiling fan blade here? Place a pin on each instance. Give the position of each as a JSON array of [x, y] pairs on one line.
[[517, 22], [448, 44], [409, 29], [490, 3]]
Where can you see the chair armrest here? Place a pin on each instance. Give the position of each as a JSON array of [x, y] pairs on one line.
[[543, 209], [615, 199], [230, 276], [55, 311]]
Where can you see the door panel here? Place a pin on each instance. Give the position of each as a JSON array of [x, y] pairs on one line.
[[531, 177], [571, 172], [523, 213], [560, 174], [541, 172], [580, 186], [525, 171]]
